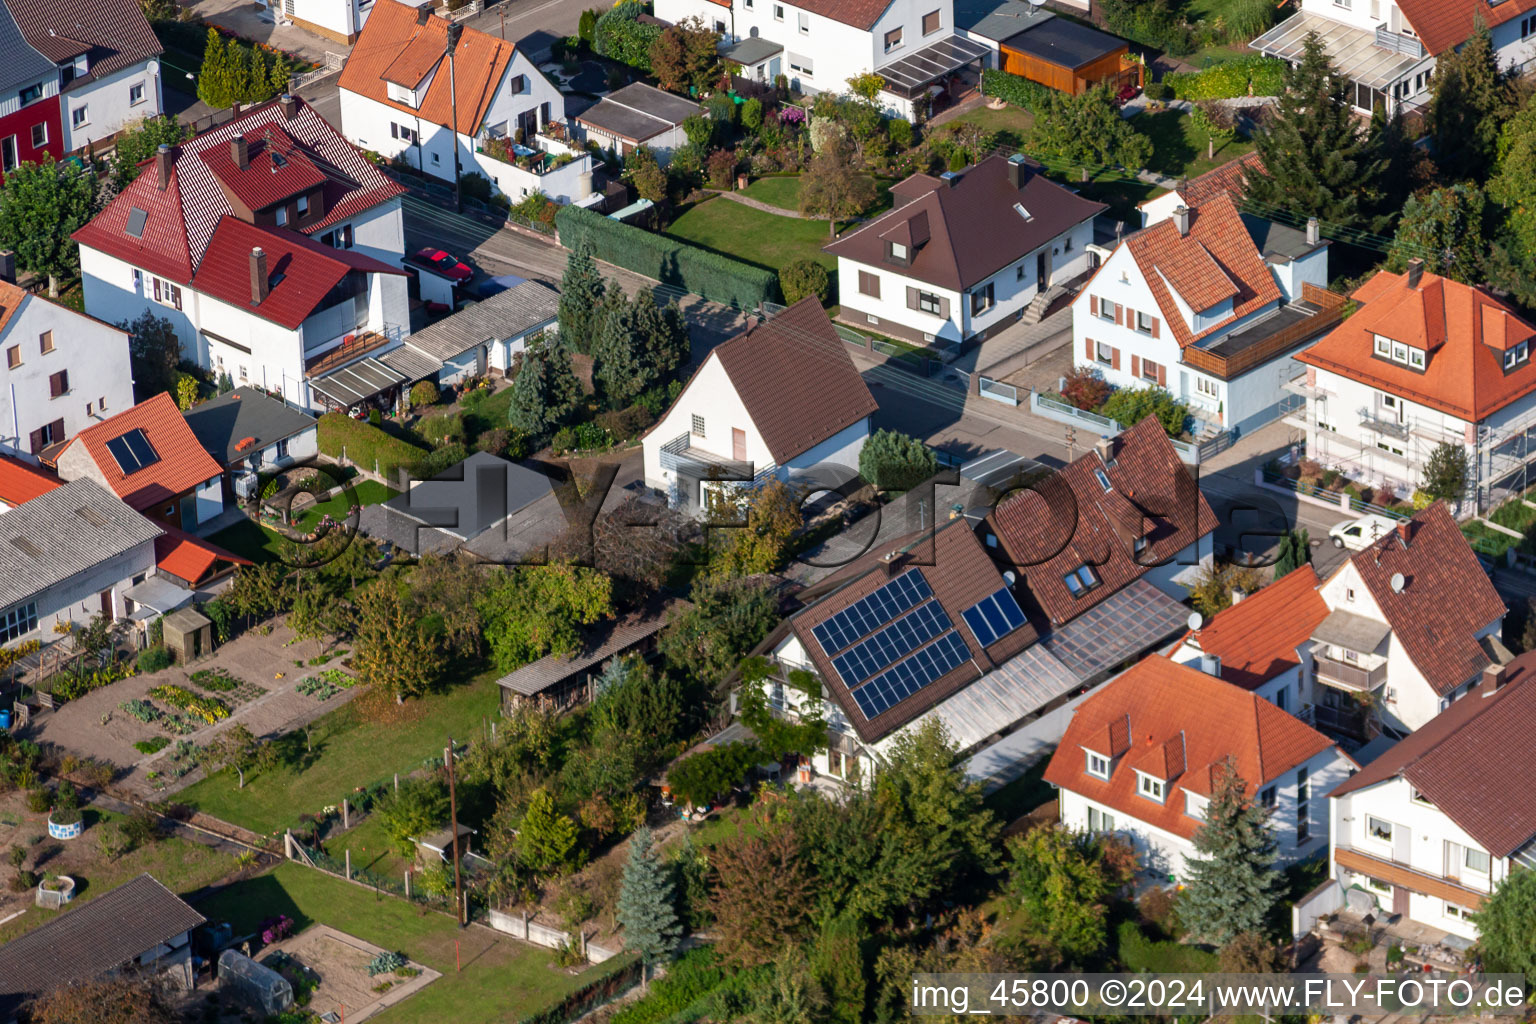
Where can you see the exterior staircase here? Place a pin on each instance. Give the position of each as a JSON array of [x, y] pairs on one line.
[[1036, 310]]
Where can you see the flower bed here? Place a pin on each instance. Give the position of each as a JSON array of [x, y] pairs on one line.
[[206, 708], [75, 687], [325, 685]]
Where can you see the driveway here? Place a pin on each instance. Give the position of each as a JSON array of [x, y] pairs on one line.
[[248, 21]]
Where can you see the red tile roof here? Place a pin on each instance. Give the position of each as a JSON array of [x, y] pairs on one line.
[[277, 168], [181, 220], [20, 483], [1475, 761], [960, 573], [1215, 262], [1183, 725], [1070, 520], [858, 13], [1446, 597], [1256, 639], [114, 32], [394, 48], [1464, 329], [1230, 179], [796, 379], [189, 558], [182, 462], [1446, 24], [301, 270]]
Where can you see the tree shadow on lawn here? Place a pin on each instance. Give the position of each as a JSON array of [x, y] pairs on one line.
[[248, 902], [1172, 150]]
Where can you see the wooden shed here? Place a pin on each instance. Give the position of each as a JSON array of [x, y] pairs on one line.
[[1069, 57], [188, 634]]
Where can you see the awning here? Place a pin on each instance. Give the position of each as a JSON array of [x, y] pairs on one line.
[[1352, 51], [1017, 688], [752, 50], [357, 382], [1351, 632], [157, 594], [415, 364], [931, 63]]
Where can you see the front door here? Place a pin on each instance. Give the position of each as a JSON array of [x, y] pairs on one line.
[[738, 444], [773, 69], [1043, 269], [106, 603], [1399, 901]]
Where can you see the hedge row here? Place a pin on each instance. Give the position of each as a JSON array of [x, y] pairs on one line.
[[1015, 89], [1230, 79], [366, 445], [715, 277]]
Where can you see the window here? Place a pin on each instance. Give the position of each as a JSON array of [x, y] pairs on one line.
[[341, 238], [301, 206], [1103, 479], [697, 429], [1143, 322], [1206, 386], [13, 356], [136, 94], [1303, 791], [45, 342], [1392, 448], [897, 251], [282, 448], [1416, 358], [778, 12], [519, 84], [1517, 355], [1346, 4], [1150, 788], [39, 136], [18, 621], [1349, 593], [401, 132], [1303, 817], [1378, 885], [1081, 580], [1018, 272], [1420, 798], [803, 65], [1104, 353], [80, 116], [1194, 806], [750, 4], [805, 24], [1378, 829], [1100, 821], [932, 23], [166, 294], [1108, 310], [1267, 798], [58, 384], [1399, 352], [1151, 371], [719, 27], [1527, 27], [87, 409], [8, 156], [30, 94], [981, 299], [1098, 765], [893, 39], [1477, 860], [1139, 546], [47, 434], [282, 215], [869, 284], [1460, 913], [929, 303]]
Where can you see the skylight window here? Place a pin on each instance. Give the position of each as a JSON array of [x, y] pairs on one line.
[[1081, 580], [1019, 207], [1103, 478], [136, 219]]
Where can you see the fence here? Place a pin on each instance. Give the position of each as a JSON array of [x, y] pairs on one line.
[[998, 391], [1316, 495], [332, 64], [469, 10], [520, 926], [1323, 900], [1061, 412], [895, 355]]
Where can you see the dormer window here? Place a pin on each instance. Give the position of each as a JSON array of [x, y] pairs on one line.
[[1149, 787], [1098, 765], [1081, 580], [302, 206], [1416, 358], [897, 251], [1515, 356], [282, 215], [1384, 347]]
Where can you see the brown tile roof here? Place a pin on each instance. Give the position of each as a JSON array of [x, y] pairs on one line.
[[1446, 24], [92, 938], [1230, 179], [182, 463], [1408, 878], [1476, 761], [1183, 725], [858, 13], [959, 572], [796, 379], [972, 227], [1070, 520], [1256, 639], [1215, 262], [1445, 600], [1464, 329], [114, 33], [394, 48]]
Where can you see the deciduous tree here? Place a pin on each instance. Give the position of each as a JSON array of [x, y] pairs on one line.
[[762, 893], [832, 187], [685, 55], [728, 619], [539, 609], [41, 205], [154, 352], [1087, 131], [119, 999], [1505, 935], [1446, 472], [138, 142], [1065, 882], [1232, 885], [393, 648], [417, 809], [751, 528]]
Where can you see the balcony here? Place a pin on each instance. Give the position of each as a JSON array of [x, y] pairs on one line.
[[1299, 386], [1384, 421], [1234, 354], [1342, 675], [1337, 721], [352, 347], [1399, 42], [1418, 880]]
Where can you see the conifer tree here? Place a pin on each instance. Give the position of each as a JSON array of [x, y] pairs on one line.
[[546, 391], [213, 77], [646, 908], [581, 297], [1468, 106], [1233, 885]]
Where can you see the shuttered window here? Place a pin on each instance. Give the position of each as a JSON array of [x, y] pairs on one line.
[[58, 383], [869, 284]]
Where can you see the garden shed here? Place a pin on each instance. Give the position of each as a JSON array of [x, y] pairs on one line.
[[1069, 57], [188, 634], [254, 984]]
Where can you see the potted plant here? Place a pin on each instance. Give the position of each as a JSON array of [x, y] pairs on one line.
[[65, 821]]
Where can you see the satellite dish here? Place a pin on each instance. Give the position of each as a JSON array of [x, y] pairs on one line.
[[1196, 620], [1035, 5], [153, 67], [753, 33], [1398, 583], [1009, 577]]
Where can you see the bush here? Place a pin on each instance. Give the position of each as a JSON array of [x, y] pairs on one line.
[[802, 277], [900, 131], [894, 461], [365, 444], [1015, 89], [1085, 388], [1129, 406], [1158, 91], [715, 277], [722, 169], [39, 801], [623, 424], [1229, 79], [154, 659], [619, 35], [1154, 23], [494, 440], [752, 115], [424, 393]]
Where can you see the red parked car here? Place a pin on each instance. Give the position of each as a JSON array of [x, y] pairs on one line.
[[445, 265]]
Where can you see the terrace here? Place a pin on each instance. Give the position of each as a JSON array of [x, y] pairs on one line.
[[1231, 355]]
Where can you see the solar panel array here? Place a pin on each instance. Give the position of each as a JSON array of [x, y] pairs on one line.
[[994, 616], [868, 614], [897, 640], [132, 451], [910, 675]]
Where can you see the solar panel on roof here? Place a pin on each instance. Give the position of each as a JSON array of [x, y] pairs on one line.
[[136, 219], [909, 676], [900, 638], [132, 451], [994, 617], [869, 613]]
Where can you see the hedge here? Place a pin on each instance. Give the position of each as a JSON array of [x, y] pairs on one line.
[[1230, 79], [602, 990], [715, 277], [1015, 89], [620, 36], [366, 445]]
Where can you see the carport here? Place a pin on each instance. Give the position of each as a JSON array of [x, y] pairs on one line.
[[356, 383]]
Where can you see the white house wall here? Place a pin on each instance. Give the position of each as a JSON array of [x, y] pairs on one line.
[[109, 107], [503, 350], [77, 599], [711, 395]]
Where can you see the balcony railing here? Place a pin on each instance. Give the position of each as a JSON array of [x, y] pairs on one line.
[[1362, 858], [1384, 422], [351, 347], [1399, 42], [1355, 724], [1344, 676], [1329, 311]]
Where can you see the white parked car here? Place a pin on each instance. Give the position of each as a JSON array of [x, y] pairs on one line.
[[1359, 534]]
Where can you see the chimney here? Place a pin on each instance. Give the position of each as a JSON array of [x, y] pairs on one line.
[[1405, 531], [259, 285], [163, 163], [423, 13], [1018, 174], [1181, 219], [1314, 233], [1210, 664], [1415, 272], [234, 108], [240, 152], [1493, 679], [290, 105], [950, 178], [1238, 593], [1105, 447], [8, 266]]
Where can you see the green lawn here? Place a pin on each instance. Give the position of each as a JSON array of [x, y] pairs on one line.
[[182, 866], [348, 752], [371, 848], [249, 540], [1012, 125], [367, 492], [1179, 148], [501, 979], [752, 236], [782, 191], [1122, 193]]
